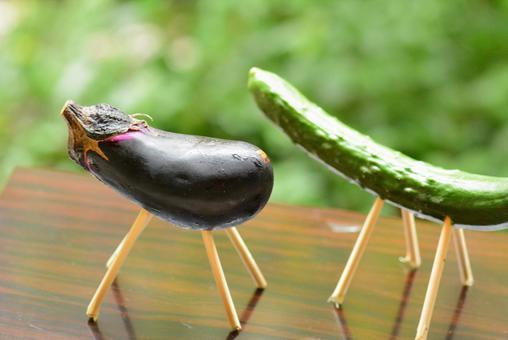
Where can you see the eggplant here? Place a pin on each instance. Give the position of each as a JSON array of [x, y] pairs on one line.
[[194, 182]]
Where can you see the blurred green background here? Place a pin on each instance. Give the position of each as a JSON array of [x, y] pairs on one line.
[[429, 78]]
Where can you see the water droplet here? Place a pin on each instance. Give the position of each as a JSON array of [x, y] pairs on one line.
[[364, 169], [409, 190], [374, 168], [320, 133]]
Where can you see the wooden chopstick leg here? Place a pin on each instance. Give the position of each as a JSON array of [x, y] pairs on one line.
[[412, 258], [220, 279], [435, 278], [247, 258], [340, 291], [466, 273], [115, 253], [139, 225]]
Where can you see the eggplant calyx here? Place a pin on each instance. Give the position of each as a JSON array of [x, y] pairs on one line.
[[99, 121], [79, 142]]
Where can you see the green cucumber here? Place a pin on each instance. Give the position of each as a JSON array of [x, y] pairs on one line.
[[471, 201]]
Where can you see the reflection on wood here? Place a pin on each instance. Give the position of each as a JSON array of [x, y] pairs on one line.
[[247, 312], [340, 316], [57, 230], [404, 301], [457, 312], [95, 330], [122, 308]]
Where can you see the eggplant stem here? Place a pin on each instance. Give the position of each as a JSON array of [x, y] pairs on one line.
[[136, 115]]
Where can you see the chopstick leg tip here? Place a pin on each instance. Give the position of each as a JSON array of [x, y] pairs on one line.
[[262, 286], [92, 317], [410, 263], [420, 337], [336, 301]]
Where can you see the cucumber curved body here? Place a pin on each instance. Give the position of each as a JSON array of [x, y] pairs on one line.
[[472, 201], [194, 182]]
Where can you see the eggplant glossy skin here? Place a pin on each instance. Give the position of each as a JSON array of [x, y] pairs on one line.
[[194, 182]]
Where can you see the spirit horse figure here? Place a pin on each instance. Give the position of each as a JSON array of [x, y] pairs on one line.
[[453, 197], [194, 182]]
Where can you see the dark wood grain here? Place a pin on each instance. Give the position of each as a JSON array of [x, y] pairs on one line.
[[57, 230]]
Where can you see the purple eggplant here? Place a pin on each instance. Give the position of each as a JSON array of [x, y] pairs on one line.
[[192, 181]]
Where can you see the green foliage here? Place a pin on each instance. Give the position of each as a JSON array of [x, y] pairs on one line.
[[428, 78]]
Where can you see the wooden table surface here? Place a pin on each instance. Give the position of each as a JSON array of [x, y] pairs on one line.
[[57, 230]]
